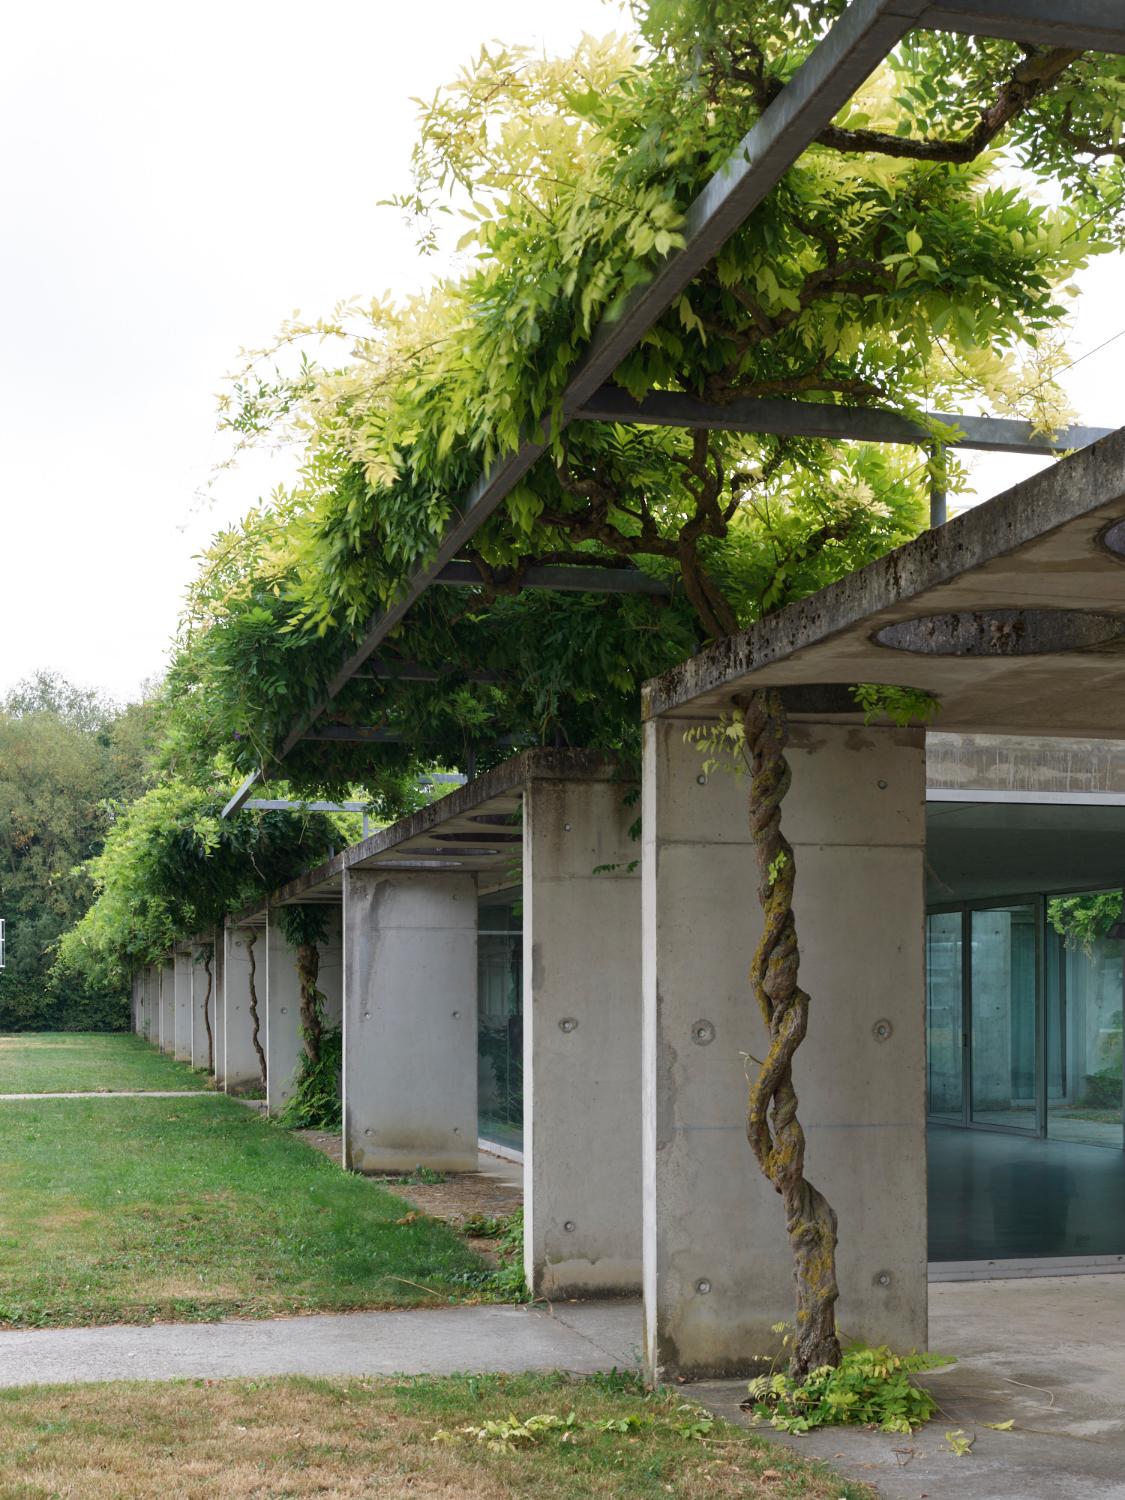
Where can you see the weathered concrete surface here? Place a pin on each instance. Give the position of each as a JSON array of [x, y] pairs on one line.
[[182, 1021], [581, 1036], [410, 1019], [1039, 547], [1008, 764], [1045, 1353], [167, 990], [717, 1264], [330, 980], [241, 1068], [283, 1016], [437, 1341], [202, 1007], [218, 996], [151, 985]]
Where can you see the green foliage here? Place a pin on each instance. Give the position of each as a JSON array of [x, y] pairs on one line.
[[1081, 920], [316, 1103], [172, 867], [899, 264], [508, 1280], [1103, 1090], [869, 1388], [303, 925], [68, 760], [903, 706]]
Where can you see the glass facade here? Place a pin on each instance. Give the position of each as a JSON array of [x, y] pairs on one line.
[[500, 1019], [1024, 1020]]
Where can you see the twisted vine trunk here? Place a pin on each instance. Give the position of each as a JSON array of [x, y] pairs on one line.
[[207, 952], [255, 1035], [308, 971], [774, 1132]]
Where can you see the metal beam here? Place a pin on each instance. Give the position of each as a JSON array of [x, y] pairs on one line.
[[1093, 25], [563, 579], [837, 423], [284, 804], [854, 47], [412, 671]]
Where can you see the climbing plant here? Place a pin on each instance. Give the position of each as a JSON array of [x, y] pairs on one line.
[[315, 1103]]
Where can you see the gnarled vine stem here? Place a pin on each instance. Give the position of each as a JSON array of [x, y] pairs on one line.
[[774, 1132], [207, 952]]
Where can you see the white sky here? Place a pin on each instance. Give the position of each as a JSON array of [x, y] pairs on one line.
[[174, 183]]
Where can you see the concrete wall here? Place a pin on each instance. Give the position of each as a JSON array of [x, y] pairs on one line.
[[241, 1069], [717, 1265], [183, 1015], [283, 1017], [152, 1004], [167, 1006], [1023, 763], [410, 1067], [331, 978], [582, 1027]]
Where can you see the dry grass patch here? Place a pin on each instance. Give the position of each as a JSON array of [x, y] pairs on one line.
[[344, 1439]]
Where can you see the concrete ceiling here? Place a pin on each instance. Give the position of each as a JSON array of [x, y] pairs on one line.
[[1012, 615], [984, 849]]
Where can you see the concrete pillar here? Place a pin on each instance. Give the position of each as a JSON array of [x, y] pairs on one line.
[[218, 1023], [168, 1006], [410, 1047], [152, 1003], [241, 1068], [182, 981], [283, 1017], [331, 979], [581, 1036], [718, 1271], [202, 1007]]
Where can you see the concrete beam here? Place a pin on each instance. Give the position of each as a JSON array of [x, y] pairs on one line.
[[718, 1272], [581, 1035], [410, 1061]]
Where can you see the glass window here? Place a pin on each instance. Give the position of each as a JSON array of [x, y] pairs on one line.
[[1002, 1029], [1084, 1006], [944, 977], [500, 1019]]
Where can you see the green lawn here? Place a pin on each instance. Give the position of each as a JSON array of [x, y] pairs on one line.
[[88, 1062], [125, 1210], [398, 1440]]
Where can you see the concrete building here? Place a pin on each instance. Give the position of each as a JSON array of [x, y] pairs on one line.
[[517, 968]]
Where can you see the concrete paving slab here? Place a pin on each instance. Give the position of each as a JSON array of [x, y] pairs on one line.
[[435, 1341], [1046, 1353]]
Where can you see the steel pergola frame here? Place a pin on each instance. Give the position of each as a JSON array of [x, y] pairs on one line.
[[857, 44]]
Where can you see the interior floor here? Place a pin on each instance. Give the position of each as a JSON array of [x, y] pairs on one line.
[[994, 1196]]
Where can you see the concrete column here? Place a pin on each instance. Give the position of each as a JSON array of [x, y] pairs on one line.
[[202, 1006], [168, 1006], [718, 1271], [218, 1022], [183, 967], [331, 980], [152, 1004], [581, 1035], [410, 1047], [283, 1017], [241, 1069]]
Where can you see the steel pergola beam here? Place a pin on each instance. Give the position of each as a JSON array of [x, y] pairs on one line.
[[855, 46], [837, 423], [1090, 25]]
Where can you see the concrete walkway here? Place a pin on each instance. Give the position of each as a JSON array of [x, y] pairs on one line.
[[1047, 1353], [581, 1337]]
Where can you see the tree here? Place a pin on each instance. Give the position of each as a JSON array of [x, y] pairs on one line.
[[903, 261]]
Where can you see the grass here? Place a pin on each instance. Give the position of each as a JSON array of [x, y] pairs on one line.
[[128, 1210], [88, 1062], [249, 1440]]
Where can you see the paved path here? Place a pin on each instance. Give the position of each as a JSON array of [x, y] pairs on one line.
[[122, 1094], [582, 1338]]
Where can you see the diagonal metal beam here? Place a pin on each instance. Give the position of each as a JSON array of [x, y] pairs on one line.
[[856, 45], [567, 580], [1093, 25], [838, 423]]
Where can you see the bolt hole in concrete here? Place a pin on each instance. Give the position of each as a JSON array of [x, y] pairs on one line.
[[1005, 632]]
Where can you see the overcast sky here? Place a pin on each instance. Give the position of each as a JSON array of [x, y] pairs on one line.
[[175, 182]]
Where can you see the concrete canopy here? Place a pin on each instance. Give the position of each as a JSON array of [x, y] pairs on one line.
[[1012, 616]]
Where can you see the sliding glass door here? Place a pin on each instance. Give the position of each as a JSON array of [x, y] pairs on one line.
[[1003, 989]]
